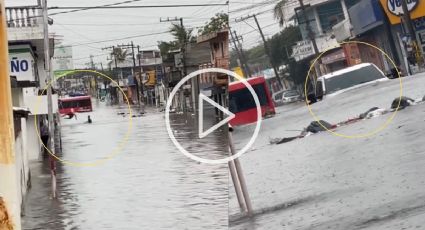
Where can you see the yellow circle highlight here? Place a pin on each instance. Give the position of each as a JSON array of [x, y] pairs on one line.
[[373, 132], [115, 151]]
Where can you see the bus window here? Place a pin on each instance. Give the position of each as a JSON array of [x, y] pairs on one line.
[[242, 100]]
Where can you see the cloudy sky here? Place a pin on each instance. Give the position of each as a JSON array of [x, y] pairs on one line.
[[87, 30], [264, 10]]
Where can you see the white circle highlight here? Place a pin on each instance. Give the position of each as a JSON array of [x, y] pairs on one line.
[[200, 159]]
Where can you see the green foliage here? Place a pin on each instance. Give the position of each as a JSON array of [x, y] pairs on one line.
[[120, 54], [280, 47], [181, 35], [218, 22], [281, 44], [165, 47]]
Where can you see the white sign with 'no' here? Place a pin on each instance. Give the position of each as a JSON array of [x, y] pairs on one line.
[[22, 66]]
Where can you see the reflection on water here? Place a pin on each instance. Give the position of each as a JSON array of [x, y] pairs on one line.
[[149, 185]]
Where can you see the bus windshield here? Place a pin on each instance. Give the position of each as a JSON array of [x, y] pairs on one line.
[[242, 100], [352, 78]]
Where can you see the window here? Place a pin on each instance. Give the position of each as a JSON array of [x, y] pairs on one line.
[[352, 78], [242, 100], [330, 14], [291, 93]]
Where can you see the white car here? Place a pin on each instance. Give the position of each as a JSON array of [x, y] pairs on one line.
[[290, 96], [286, 96], [348, 78]]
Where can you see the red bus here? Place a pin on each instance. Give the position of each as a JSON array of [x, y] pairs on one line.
[[75, 105], [242, 103]]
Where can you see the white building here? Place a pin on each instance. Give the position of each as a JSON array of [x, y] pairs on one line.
[[28, 77]]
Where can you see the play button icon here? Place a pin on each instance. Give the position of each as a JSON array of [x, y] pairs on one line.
[[204, 104], [201, 131]]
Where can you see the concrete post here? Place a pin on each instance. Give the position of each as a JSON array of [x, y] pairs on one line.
[[317, 19], [345, 10], [9, 202]]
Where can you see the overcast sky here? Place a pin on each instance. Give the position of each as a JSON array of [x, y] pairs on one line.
[[100, 24], [264, 9]]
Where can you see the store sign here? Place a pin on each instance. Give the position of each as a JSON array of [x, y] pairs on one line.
[[22, 66], [393, 9], [419, 24], [62, 60], [394, 6], [334, 57], [302, 50]]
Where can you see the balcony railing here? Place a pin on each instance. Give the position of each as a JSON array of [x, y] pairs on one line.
[[25, 16], [24, 23]]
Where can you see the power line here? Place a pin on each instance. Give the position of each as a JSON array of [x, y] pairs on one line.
[[113, 4], [127, 7], [255, 5], [117, 39]]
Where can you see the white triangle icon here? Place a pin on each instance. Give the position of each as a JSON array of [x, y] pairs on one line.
[[203, 133]]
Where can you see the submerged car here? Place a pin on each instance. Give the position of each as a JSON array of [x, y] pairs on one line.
[[348, 78]]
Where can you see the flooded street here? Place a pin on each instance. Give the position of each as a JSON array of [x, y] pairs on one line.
[[329, 182], [148, 185]]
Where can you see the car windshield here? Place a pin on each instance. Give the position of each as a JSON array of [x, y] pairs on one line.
[[291, 93], [352, 78]]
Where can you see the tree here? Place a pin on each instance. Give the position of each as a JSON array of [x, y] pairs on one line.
[[218, 22], [165, 47], [120, 54], [182, 35], [278, 11], [281, 44]]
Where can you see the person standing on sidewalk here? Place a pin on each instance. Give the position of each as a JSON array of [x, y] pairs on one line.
[[44, 134]]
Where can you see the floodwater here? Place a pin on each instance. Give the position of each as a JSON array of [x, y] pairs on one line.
[[148, 185], [329, 182]]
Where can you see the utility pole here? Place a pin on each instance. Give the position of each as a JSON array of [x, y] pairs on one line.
[[241, 64], [310, 32], [245, 60], [134, 73], [183, 48], [140, 77], [93, 67], [409, 27], [311, 35], [133, 70], [10, 216], [194, 81], [112, 54], [47, 62], [266, 48], [241, 57]]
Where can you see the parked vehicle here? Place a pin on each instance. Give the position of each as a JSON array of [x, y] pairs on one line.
[[348, 78], [242, 103], [75, 105], [277, 98], [290, 96]]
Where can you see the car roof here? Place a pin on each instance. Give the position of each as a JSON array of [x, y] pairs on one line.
[[345, 70]]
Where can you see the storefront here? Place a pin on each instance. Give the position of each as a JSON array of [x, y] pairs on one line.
[[334, 60], [408, 49]]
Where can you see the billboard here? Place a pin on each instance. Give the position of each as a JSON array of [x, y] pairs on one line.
[[393, 9], [62, 59]]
